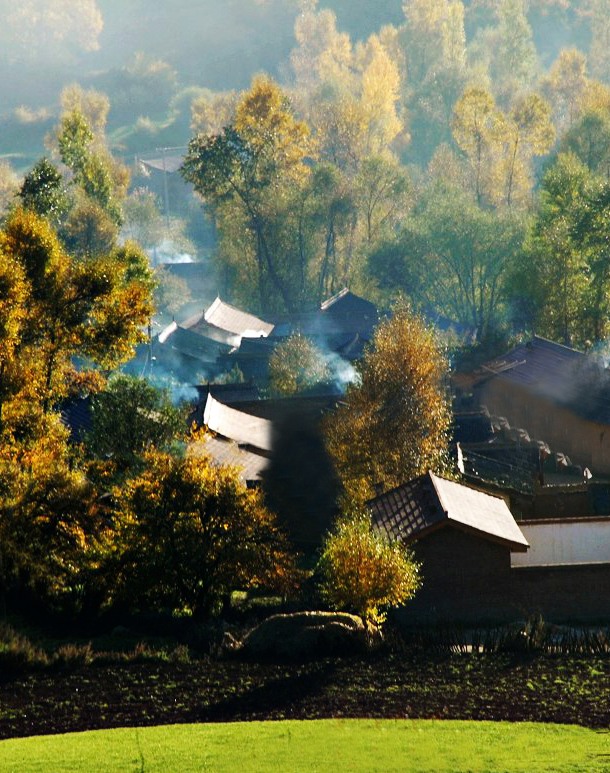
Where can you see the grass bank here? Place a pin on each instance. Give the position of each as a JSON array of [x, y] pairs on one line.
[[319, 745]]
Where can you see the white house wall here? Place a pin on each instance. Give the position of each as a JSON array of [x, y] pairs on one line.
[[564, 543]]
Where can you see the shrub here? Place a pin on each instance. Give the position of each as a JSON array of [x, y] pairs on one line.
[[363, 572]]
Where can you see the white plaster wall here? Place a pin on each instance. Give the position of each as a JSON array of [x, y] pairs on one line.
[[564, 543]]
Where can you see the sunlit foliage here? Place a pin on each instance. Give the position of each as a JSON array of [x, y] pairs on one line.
[[192, 533], [363, 572], [295, 365], [394, 423]]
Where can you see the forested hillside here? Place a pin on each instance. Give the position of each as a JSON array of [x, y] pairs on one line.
[[437, 148]]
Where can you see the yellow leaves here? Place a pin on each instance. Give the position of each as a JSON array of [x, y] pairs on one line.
[[295, 365], [263, 118], [324, 55], [32, 241], [394, 424], [379, 97], [500, 147], [198, 532], [363, 572], [211, 112]]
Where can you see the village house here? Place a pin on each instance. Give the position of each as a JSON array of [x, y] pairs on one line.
[[277, 444], [557, 395], [463, 539], [480, 566]]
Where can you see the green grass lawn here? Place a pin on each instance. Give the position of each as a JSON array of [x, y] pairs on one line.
[[346, 746]]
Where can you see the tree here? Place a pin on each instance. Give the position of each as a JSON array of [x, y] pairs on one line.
[[589, 139], [393, 423], [527, 131], [211, 112], [81, 144], [43, 191], [40, 30], [143, 222], [61, 320], [453, 258], [295, 365], [564, 86], [363, 572], [600, 39], [9, 187], [171, 291], [383, 194], [379, 96], [249, 170], [88, 231], [475, 126], [93, 309], [433, 36], [192, 533], [130, 417], [51, 524], [552, 278], [514, 58], [322, 55]]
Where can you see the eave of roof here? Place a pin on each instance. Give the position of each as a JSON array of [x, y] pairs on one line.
[[430, 502], [226, 317]]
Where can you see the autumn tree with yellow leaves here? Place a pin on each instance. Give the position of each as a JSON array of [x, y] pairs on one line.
[[247, 173], [192, 533], [393, 423], [363, 572], [54, 309]]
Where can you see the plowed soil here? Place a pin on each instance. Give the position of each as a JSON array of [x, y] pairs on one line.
[[491, 687]]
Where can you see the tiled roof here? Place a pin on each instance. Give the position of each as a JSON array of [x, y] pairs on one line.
[[542, 365], [233, 320], [241, 427], [237, 392], [429, 502], [226, 453], [566, 376], [185, 341]]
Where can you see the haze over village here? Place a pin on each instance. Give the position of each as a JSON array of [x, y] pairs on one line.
[[305, 379]]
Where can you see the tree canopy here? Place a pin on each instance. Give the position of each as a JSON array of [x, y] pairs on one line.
[[363, 572], [393, 423]]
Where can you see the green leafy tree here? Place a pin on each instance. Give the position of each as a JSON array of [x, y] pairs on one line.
[[514, 58], [43, 191], [171, 291], [363, 572], [589, 139], [454, 258], [130, 417], [143, 222], [249, 169], [192, 533], [92, 166], [393, 424], [553, 281], [295, 365], [383, 194], [599, 55]]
